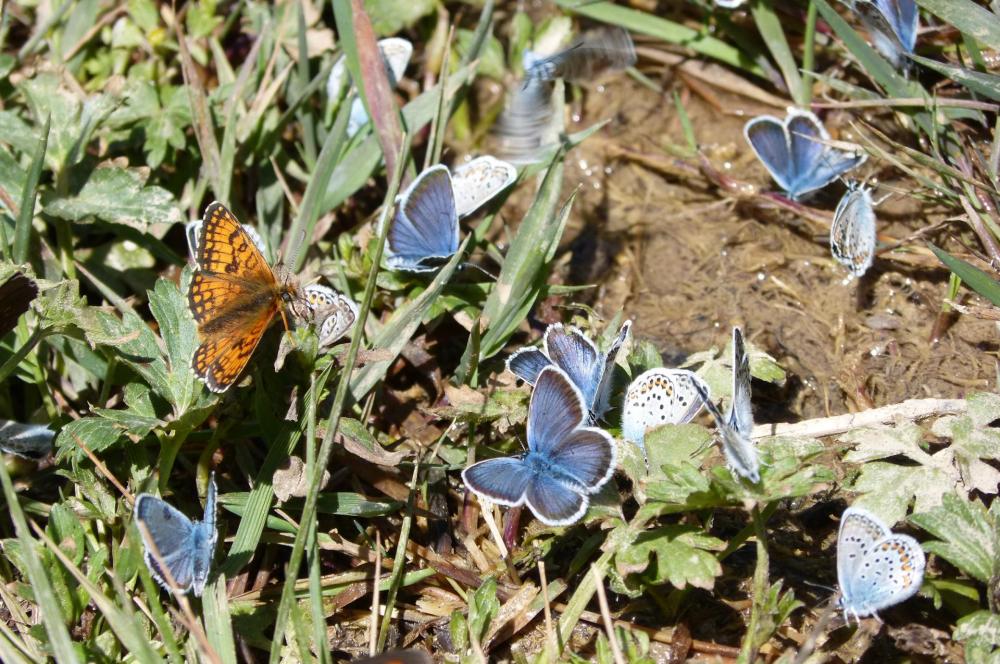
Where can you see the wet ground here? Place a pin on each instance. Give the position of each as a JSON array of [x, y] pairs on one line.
[[687, 261]]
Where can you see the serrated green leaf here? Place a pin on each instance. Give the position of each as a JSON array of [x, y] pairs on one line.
[[120, 196], [180, 336], [966, 535], [679, 555], [97, 433]]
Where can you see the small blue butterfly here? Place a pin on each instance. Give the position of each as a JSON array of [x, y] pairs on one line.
[[797, 152], [736, 426], [565, 464], [875, 568], [591, 54], [185, 546], [31, 441], [892, 25], [424, 232], [657, 397], [574, 353], [852, 233]]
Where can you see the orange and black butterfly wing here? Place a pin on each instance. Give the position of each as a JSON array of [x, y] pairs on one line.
[[16, 295], [233, 296]]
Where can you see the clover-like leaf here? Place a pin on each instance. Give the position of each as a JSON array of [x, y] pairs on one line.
[[120, 196]]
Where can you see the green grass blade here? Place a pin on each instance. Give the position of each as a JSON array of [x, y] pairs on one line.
[[977, 280], [970, 18], [22, 228], [773, 35], [661, 28], [218, 622], [52, 617], [985, 84]]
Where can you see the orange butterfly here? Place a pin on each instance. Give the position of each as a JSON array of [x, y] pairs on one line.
[[234, 295]]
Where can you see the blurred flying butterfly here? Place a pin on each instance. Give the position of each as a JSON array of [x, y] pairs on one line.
[[396, 53], [528, 125], [16, 296], [797, 151], [892, 25], [424, 232], [875, 568], [31, 441], [594, 52], [573, 352], [333, 314], [193, 231], [184, 547], [479, 181], [852, 234], [566, 462], [657, 397], [735, 428]]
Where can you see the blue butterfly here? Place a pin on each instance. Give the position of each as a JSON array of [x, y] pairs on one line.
[[657, 397], [184, 546], [424, 232], [565, 464], [31, 441], [574, 353], [892, 25], [736, 426], [591, 54], [875, 568], [797, 152], [852, 233]]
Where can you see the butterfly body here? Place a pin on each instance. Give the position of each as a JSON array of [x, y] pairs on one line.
[[736, 426], [566, 461], [234, 295], [853, 231], [876, 568], [573, 352], [184, 547], [797, 152], [594, 52]]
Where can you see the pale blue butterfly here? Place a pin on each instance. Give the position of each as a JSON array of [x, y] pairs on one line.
[[735, 428], [424, 232], [892, 25], [332, 313], [185, 547], [591, 54], [31, 441], [396, 53], [566, 462], [797, 151], [573, 352], [852, 233], [875, 568], [657, 397]]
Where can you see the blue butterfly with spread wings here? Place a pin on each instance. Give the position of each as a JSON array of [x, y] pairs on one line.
[[566, 462], [892, 25], [797, 152]]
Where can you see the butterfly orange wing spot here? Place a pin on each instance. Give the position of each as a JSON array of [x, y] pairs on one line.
[[233, 296]]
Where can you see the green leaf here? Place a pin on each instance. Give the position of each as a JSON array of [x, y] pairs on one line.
[[984, 83], [483, 608], [389, 17], [966, 534], [180, 336], [979, 628], [22, 230], [97, 433], [970, 18], [117, 195], [979, 281], [677, 554]]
